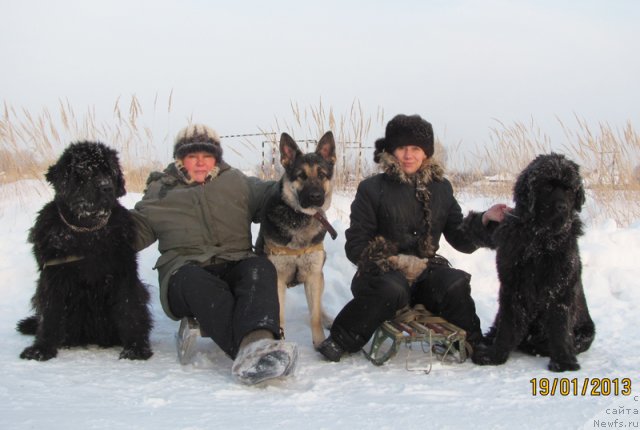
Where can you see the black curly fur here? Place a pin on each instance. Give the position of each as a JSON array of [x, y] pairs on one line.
[[480, 235], [542, 309], [98, 299]]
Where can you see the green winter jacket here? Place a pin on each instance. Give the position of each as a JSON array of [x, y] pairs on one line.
[[203, 223]]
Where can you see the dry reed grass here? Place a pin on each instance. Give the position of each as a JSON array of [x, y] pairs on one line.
[[30, 143], [350, 129], [608, 156]]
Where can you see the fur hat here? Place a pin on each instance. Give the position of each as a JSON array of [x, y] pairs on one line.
[[405, 130], [195, 138]]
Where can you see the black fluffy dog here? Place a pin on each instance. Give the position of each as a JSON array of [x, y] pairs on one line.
[[88, 291], [542, 309]]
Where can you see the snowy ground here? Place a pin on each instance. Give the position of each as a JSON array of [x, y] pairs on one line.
[[91, 389]]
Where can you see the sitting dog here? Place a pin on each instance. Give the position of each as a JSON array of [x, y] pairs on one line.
[[88, 291], [294, 225], [542, 310]]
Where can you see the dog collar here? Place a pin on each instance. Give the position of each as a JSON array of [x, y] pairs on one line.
[[326, 225], [77, 229]]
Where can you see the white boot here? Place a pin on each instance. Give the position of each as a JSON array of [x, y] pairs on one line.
[[186, 339], [263, 359]]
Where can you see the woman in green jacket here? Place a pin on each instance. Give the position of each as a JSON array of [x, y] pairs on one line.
[[200, 210]]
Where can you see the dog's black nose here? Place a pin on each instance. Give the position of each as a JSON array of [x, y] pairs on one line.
[[561, 206], [316, 197], [106, 187]]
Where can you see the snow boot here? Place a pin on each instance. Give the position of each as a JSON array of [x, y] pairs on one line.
[[331, 350], [186, 339], [264, 359]]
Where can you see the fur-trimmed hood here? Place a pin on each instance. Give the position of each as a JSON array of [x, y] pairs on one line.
[[175, 174], [430, 170]]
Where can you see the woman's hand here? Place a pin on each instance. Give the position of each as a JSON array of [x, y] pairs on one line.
[[495, 213], [410, 265]]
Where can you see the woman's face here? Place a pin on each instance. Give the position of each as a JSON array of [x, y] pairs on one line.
[[199, 165], [410, 158]]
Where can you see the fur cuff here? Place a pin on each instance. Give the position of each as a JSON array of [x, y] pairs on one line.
[[480, 235], [430, 170], [374, 259]]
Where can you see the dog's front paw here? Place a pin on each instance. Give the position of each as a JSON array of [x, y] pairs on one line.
[[136, 353], [487, 355], [562, 366], [39, 353]]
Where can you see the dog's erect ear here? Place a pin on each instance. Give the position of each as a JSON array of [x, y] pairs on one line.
[[288, 150], [327, 147]]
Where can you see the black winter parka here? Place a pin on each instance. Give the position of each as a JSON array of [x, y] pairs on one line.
[[410, 214]]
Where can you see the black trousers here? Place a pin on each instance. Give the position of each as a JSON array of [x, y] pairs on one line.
[[441, 289], [229, 300]]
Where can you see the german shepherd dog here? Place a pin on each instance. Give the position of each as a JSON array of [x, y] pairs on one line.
[[294, 225]]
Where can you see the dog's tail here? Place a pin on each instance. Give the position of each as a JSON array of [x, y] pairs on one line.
[[29, 325]]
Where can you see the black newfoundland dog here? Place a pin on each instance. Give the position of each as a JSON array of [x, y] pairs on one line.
[[542, 308], [88, 291]]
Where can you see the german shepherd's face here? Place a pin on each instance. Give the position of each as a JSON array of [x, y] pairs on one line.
[[307, 179]]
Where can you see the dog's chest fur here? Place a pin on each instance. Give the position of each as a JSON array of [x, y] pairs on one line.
[[286, 226], [52, 239], [292, 229], [541, 271]]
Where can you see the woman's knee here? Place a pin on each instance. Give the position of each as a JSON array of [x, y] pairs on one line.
[[260, 268], [391, 287], [459, 286]]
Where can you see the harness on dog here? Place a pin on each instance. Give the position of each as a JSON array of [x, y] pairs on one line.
[[326, 225], [283, 250], [62, 260], [103, 221]]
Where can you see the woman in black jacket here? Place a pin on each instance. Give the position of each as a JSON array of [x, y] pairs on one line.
[[397, 219]]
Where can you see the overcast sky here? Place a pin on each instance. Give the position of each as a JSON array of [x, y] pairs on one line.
[[236, 65]]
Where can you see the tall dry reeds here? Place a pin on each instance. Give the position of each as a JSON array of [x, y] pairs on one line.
[[350, 129], [30, 143], [608, 156], [609, 159], [493, 168]]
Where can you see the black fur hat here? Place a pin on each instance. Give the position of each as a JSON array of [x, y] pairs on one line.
[[405, 130], [197, 137]]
